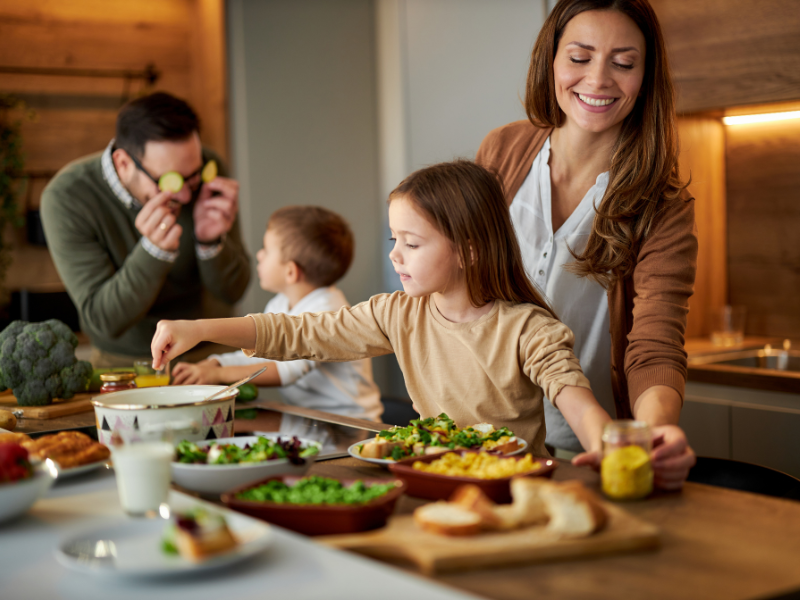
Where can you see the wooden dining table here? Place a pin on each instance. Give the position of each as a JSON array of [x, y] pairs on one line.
[[714, 543]]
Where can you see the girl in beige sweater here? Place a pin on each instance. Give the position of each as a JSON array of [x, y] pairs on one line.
[[472, 335]]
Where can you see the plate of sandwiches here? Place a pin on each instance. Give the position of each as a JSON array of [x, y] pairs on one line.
[[74, 452], [423, 437]]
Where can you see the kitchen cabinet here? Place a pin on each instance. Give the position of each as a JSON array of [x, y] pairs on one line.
[[754, 426], [726, 53]]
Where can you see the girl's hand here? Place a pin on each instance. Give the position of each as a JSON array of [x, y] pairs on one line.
[[202, 373], [591, 459], [172, 339], [672, 457]]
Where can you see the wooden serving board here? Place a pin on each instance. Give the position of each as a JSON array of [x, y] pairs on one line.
[[403, 541], [77, 404]]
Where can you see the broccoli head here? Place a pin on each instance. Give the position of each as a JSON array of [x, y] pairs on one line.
[[37, 361]]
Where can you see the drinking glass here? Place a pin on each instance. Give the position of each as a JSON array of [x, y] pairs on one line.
[[727, 325], [142, 465], [147, 376]]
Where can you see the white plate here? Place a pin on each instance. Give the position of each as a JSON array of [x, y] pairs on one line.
[[385, 461], [137, 545], [218, 479], [79, 470]]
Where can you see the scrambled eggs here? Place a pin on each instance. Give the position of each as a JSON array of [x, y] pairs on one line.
[[479, 465]]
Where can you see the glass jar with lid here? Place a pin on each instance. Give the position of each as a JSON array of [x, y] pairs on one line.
[[626, 471], [116, 381]]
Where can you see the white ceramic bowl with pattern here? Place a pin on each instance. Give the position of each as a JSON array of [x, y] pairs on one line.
[[184, 409]]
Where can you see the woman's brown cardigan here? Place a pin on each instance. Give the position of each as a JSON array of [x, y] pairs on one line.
[[647, 309]]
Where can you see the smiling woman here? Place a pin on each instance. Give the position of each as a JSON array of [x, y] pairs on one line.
[[605, 224]]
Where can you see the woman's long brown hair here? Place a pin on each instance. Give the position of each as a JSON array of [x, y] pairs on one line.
[[465, 203], [644, 175]]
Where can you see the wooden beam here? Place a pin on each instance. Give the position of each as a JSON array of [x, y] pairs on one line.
[[702, 158]]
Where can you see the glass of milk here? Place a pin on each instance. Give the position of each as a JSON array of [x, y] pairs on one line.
[[143, 471]]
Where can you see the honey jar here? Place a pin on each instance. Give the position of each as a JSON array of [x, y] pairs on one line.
[[117, 381], [626, 471]]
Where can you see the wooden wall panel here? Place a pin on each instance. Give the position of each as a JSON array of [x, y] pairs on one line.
[[763, 181], [732, 52], [703, 158], [184, 39], [60, 136], [209, 73]]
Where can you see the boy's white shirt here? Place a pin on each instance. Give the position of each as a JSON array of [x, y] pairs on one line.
[[344, 388]]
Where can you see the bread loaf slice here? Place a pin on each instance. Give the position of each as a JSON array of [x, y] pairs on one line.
[[472, 498], [445, 518], [528, 507], [574, 510]]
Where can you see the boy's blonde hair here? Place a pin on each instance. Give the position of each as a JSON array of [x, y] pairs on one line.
[[317, 240]]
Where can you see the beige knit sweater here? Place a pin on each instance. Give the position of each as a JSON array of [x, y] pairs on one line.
[[489, 370]]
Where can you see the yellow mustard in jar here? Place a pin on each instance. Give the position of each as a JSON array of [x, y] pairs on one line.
[[626, 471]]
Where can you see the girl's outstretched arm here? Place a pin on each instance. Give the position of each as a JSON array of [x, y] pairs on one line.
[[584, 415], [173, 338]]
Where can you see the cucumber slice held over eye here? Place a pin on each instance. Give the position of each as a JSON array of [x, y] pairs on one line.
[[209, 171], [171, 181]]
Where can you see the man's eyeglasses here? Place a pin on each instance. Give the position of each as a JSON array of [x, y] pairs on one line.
[[174, 181]]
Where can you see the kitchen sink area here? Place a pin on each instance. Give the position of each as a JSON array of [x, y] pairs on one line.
[[743, 403], [767, 368]]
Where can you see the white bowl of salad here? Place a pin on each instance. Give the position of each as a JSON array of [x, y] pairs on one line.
[[217, 466]]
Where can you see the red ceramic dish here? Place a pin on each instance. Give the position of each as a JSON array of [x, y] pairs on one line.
[[320, 519], [434, 486]]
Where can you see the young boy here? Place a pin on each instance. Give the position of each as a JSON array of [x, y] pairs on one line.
[[307, 249]]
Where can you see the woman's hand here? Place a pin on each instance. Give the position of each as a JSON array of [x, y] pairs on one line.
[[205, 372], [672, 457], [173, 338]]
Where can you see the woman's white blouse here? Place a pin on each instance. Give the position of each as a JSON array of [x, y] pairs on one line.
[[579, 302]]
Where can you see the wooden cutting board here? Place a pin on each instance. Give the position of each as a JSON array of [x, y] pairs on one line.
[[77, 404], [403, 541]]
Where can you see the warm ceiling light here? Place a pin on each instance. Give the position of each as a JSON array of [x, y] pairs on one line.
[[763, 118]]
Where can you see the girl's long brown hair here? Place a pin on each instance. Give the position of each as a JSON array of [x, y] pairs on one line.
[[644, 175], [465, 203]]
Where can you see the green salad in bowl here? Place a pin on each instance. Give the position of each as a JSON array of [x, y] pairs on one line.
[[216, 466], [220, 453]]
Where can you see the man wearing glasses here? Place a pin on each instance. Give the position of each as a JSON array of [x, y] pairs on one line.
[[131, 251]]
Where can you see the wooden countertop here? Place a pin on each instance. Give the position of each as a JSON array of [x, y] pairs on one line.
[[702, 345], [716, 543]]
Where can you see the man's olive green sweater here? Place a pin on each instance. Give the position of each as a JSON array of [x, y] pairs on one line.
[[119, 289]]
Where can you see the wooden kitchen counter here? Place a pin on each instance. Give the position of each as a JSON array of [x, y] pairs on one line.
[[715, 543]]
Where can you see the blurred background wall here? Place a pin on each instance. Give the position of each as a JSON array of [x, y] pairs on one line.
[[334, 103]]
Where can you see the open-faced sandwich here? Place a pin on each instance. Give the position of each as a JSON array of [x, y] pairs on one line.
[[198, 534], [437, 434]]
